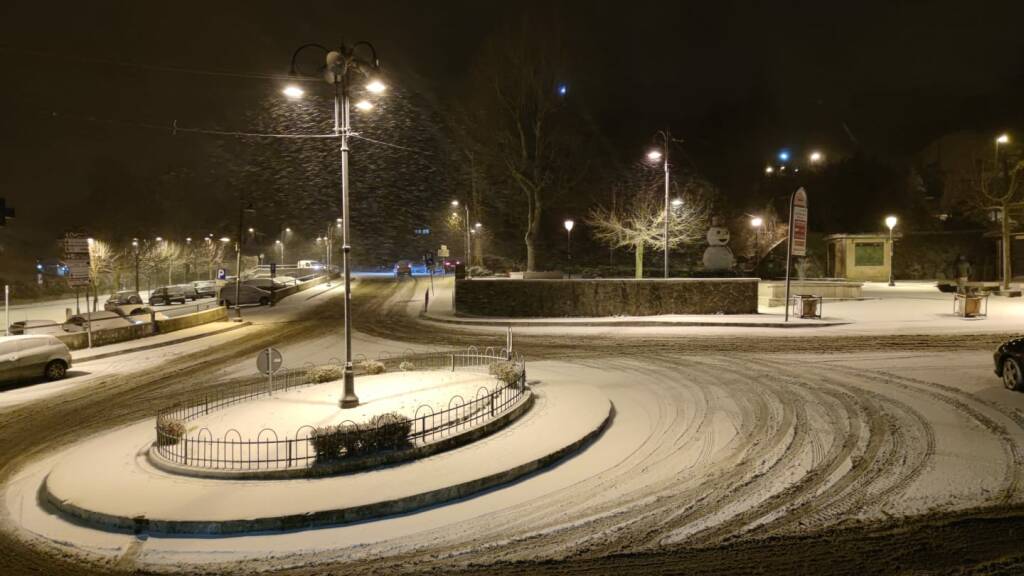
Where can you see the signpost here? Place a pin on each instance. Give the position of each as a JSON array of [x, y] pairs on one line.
[[76, 258], [268, 362], [428, 261], [797, 245], [222, 274]]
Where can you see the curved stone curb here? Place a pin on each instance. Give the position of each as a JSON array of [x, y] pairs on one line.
[[128, 522], [527, 323], [346, 466]]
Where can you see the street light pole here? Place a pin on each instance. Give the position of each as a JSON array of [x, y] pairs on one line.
[[890, 221], [243, 207], [339, 64], [135, 245], [568, 238], [662, 155]]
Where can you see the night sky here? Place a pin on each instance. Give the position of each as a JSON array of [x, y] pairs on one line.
[[736, 80]]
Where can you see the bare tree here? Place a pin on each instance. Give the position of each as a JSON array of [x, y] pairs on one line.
[[102, 260], [639, 222], [523, 125], [999, 186]]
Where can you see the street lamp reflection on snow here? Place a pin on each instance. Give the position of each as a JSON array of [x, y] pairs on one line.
[[292, 91], [890, 221]]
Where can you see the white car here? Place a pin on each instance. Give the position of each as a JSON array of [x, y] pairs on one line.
[[33, 355]]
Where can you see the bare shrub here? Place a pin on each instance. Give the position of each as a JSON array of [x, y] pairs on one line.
[[406, 366], [169, 431]]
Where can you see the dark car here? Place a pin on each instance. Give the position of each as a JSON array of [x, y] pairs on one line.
[[1009, 360], [167, 295], [122, 298], [403, 268], [190, 291]]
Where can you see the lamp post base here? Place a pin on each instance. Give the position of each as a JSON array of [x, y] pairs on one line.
[[349, 399]]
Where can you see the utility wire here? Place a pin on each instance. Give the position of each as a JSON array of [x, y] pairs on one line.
[[416, 150]]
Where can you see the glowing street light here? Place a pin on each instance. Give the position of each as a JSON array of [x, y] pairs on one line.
[[292, 91], [364, 105], [816, 157], [654, 155], [784, 155], [1003, 139], [768, 170], [890, 221], [756, 221], [569, 224], [376, 86], [677, 202]]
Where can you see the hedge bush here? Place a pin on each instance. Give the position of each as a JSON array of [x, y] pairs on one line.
[[406, 366]]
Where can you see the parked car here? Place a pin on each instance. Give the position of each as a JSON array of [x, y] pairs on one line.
[[1009, 361], [33, 355], [309, 264], [247, 294], [190, 291], [268, 283], [35, 327], [167, 295], [205, 288], [131, 310], [122, 298], [102, 320]]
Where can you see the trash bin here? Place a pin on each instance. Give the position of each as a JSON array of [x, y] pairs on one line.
[[460, 271], [807, 306], [970, 305]]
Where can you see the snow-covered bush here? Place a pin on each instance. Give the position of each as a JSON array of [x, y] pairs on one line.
[[406, 366], [507, 372], [325, 373], [390, 431], [169, 430], [333, 442], [374, 367]]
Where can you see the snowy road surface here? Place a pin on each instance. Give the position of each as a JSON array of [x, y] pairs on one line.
[[735, 452]]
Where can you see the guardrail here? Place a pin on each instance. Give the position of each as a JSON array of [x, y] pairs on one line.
[[268, 451]]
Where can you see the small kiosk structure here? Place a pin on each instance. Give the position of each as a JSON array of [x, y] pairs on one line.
[[859, 257]]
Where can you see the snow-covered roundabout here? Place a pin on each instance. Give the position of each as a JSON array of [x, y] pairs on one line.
[[271, 456]]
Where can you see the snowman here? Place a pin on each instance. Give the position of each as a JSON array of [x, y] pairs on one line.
[[718, 257]]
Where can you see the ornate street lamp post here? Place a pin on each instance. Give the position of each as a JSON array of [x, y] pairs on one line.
[[340, 64]]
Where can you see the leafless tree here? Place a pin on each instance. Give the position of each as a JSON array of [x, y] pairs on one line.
[[638, 223], [526, 131], [1000, 185], [102, 260]]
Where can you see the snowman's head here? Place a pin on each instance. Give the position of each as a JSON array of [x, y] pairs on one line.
[[718, 236]]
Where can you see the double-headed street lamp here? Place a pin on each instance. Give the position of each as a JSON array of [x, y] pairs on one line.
[[890, 221], [339, 66]]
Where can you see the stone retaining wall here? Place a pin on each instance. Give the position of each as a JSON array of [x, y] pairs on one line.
[[218, 314], [604, 297]]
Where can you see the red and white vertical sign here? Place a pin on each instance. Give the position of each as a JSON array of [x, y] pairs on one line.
[[799, 223]]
